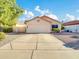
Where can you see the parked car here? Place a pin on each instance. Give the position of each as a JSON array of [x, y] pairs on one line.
[[68, 31]]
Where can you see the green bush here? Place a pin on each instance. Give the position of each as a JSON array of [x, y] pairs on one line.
[[2, 35], [62, 27], [7, 29], [56, 30]]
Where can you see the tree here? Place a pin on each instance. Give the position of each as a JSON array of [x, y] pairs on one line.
[[62, 27], [9, 12]]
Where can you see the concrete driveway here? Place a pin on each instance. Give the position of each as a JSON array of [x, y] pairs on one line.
[[37, 46]]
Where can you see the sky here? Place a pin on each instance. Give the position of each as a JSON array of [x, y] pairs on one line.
[[61, 10]]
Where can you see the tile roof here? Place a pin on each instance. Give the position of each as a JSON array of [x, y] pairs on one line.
[[44, 18], [75, 22]]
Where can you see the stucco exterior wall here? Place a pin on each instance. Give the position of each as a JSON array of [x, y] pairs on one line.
[[73, 28], [55, 23], [38, 26], [19, 29]]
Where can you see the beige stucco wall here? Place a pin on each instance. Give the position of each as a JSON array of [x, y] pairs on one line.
[[36, 26], [55, 22], [73, 28], [19, 28], [59, 24]]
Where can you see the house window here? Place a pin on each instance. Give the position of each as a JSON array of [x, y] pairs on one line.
[[54, 26]]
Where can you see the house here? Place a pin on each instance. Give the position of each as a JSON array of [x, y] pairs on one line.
[[72, 26], [43, 24]]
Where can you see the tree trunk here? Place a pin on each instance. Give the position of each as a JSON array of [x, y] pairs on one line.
[[1, 28]]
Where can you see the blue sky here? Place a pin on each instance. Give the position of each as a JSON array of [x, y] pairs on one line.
[[65, 10]]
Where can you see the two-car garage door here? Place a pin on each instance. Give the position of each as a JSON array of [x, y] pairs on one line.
[[38, 28]]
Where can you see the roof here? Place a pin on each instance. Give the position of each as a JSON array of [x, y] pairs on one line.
[[44, 18], [75, 22], [31, 19]]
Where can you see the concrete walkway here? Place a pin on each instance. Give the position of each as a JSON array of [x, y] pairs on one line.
[[37, 46]]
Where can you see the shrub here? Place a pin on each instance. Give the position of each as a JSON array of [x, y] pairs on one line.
[[7, 29], [56, 30], [62, 27], [2, 35]]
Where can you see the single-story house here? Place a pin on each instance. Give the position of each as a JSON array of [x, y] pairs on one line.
[[42, 24], [72, 26]]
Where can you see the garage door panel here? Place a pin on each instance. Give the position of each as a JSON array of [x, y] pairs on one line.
[[38, 29], [40, 26]]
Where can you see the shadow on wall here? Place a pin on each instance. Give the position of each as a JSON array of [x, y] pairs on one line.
[[74, 45]]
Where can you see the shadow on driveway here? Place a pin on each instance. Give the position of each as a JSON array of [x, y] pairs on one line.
[[15, 33], [71, 40], [74, 45]]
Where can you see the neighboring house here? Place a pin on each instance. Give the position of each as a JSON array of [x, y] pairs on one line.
[[43, 24], [19, 28], [72, 26]]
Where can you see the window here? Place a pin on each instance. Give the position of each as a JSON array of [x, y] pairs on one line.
[[54, 26]]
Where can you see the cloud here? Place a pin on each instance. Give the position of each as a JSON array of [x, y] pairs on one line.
[[46, 12], [26, 16], [29, 14], [25, 12], [38, 8], [42, 12], [70, 17], [52, 16]]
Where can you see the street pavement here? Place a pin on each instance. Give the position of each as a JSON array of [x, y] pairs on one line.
[[37, 46]]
